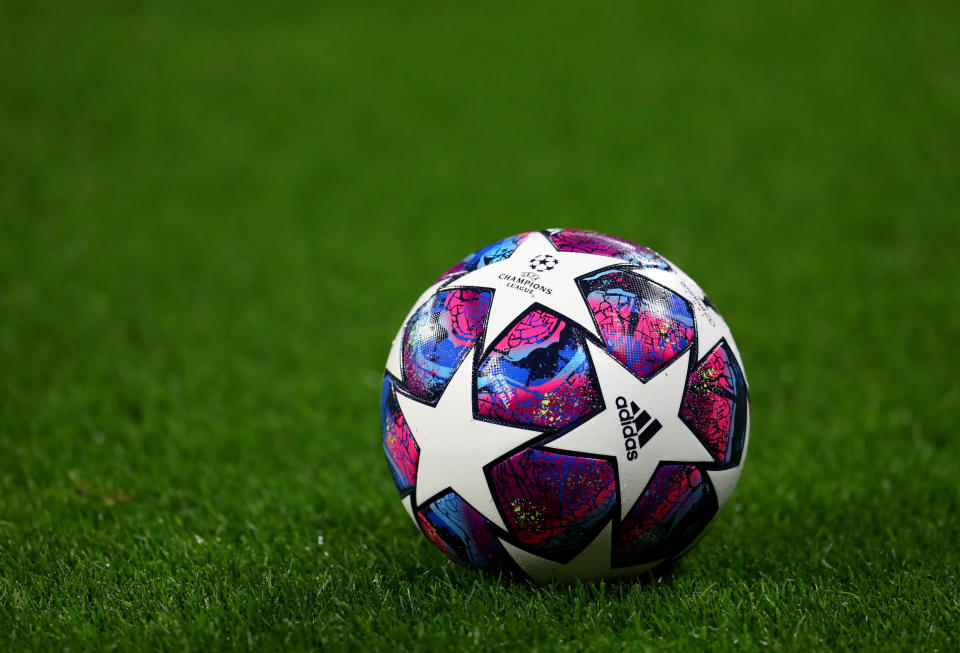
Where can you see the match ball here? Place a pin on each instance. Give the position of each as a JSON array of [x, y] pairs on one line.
[[564, 404]]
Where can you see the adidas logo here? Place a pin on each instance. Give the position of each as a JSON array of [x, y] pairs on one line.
[[632, 419]]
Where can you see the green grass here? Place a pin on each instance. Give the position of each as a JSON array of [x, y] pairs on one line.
[[215, 215]]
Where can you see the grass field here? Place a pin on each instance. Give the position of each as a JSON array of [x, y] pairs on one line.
[[215, 215]]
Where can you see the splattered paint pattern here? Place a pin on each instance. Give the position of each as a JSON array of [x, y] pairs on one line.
[[498, 251], [643, 324], [715, 405], [591, 242], [398, 443], [462, 533], [538, 374], [438, 337], [553, 502], [675, 507]]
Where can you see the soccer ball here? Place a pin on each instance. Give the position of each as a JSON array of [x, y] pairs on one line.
[[564, 404]]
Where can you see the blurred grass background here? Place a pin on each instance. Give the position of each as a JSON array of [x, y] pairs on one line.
[[214, 216]]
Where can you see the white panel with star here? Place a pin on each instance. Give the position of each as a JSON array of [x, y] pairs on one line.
[[455, 447], [603, 435], [514, 293]]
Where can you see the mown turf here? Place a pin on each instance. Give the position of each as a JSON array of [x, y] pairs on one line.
[[214, 216]]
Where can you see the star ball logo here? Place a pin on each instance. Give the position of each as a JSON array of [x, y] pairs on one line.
[[543, 263]]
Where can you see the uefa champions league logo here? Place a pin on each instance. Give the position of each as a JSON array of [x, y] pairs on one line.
[[543, 263], [529, 281]]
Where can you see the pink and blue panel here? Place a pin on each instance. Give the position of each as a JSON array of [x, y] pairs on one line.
[[673, 510], [592, 242], [498, 251], [715, 405], [643, 324], [554, 503], [538, 374], [398, 443], [462, 533], [439, 335]]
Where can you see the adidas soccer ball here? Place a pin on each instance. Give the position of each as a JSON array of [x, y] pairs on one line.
[[564, 404]]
